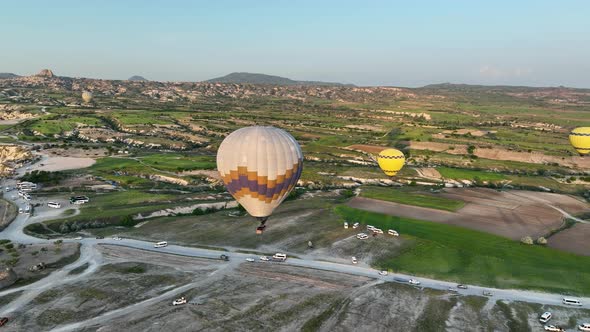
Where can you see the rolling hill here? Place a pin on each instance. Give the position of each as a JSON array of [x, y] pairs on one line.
[[253, 78]]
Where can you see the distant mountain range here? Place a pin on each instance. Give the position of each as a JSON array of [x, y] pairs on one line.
[[7, 75], [251, 78], [137, 78]]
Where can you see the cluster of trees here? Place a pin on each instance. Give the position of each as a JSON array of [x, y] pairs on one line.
[[43, 177]]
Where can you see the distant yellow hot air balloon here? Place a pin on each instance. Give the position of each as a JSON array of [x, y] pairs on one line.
[[87, 96], [580, 139], [259, 166], [391, 161]]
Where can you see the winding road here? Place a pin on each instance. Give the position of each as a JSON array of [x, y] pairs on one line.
[[91, 254]]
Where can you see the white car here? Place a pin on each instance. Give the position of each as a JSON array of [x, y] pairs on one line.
[[78, 238], [116, 238], [370, 228], [584, 327], [362, 236], [354, 260], [54, 205], [179, 301], [251, 260], [355, 225], [393, 232], [383, 273], [377, 230], [553, 328], [414, 282], [264, 258], [345, 225], [545, 317]]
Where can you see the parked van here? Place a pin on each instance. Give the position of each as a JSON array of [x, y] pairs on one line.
[[584, 327], [545, 317], [393, 232], [571, 301], [161, 244], [279, 257], [54, 205]]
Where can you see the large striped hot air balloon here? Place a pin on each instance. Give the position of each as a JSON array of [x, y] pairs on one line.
[[391, 161], [580, 139], [259, 166], [87, 96]]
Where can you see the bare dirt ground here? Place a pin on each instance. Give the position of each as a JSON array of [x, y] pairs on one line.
[[54, 257], [500, 213], [575, 239], [53, 164]]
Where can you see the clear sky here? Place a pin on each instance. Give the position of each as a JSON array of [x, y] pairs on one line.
[[401, 43]]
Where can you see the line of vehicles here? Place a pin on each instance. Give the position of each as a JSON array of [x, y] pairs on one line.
[[546, 317], [375, 231], [278, 257]]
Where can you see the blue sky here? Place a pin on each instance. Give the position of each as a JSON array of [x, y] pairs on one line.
[[401, 43]]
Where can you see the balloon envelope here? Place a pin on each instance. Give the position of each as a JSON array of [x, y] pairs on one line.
[[259, 166], [87, 96], [580, 140], [391, 161]]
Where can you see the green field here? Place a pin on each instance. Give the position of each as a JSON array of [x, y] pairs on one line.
[[458, 254], [177, 162], [408, 197], [467, 174]]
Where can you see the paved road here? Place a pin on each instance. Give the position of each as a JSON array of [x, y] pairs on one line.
[[91, 255]]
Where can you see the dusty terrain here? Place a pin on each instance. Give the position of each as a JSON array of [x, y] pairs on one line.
[[128, 294], [53, 164], [575, 239], [510, 214]]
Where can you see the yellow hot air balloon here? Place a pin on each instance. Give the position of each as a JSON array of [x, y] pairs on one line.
[[391, 161], [87, 96], [259, 167], [580, 139]]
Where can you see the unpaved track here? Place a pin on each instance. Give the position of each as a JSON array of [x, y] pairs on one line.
[[214, 276]]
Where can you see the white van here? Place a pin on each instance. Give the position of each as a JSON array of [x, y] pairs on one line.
[[393, 232], [571, 301], [545, 317], [279, 256], [161, 244], [54, 205]]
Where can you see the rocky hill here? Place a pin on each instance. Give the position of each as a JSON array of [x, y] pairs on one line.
[[252, 78], [137, 78], [45, 73], [7, 75]]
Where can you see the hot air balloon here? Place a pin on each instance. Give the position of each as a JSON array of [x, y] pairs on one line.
[[87, 96], [391, 161], [580, 140], [259, 167]]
